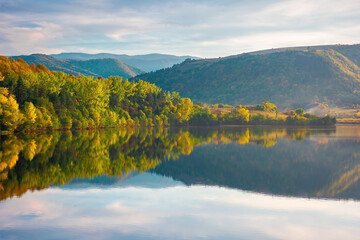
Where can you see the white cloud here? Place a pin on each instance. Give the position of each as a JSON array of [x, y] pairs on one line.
[[180, 212], [29, 39], [203, 28]]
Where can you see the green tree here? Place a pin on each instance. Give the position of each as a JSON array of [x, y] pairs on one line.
[[267, 106], [20, 91], [183, 110], [299, 111]]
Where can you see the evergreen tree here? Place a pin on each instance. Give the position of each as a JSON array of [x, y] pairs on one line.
[[20, 91]]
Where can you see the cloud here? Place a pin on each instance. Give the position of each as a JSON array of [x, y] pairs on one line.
[[179, 212], [204, 28], [22, 39]]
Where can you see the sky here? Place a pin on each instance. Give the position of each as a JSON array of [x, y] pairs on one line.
[[211, 28]]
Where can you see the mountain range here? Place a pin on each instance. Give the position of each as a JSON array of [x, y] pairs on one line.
[[306, 77], [147, 62], [104, 64], [104, 67]]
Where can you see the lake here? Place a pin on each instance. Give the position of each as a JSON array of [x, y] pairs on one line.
[[182, 183]]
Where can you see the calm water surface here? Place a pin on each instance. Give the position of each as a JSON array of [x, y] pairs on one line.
[[196, 183]]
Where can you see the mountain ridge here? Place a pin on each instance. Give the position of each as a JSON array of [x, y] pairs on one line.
[[287, 77], [95, 67], [147, 62]]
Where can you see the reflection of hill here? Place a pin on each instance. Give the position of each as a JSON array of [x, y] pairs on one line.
[[145, 180], [289, 168], [35, 161]]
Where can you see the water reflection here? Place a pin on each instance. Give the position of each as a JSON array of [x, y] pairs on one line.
[[287, 161], [196, 212]]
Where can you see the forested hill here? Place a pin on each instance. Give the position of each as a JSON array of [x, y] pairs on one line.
[[104, 67], [147, 62], [300, 77], [34, 98]]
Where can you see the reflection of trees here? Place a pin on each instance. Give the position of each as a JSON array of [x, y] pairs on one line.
[[37, 160], [34, 162]]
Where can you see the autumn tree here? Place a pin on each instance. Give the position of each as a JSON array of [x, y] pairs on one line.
[[10, 115]]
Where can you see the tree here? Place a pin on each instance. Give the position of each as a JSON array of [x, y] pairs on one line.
[[267, 106], [30, 116], [299, 111], [242, 115], [237, 116], [10, 115], [183, 110], [20, 91]]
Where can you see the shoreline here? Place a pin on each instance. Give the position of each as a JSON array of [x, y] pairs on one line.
[[349, 122], [4, 133]]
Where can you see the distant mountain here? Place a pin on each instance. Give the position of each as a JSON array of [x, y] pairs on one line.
[[296, 77], [147, 62], [96, 67]]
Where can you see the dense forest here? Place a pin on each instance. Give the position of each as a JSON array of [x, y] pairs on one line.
[[290, 78], [32, 97]]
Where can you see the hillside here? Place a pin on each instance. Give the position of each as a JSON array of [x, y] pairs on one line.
[[107, 67], [34, 98], [96, 67], [147, 62], [300, 77]]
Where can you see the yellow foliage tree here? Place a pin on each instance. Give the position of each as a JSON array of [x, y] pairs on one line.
[[30, 114], [10, 115]]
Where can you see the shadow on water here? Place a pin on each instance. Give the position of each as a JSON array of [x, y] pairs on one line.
[[311, 162]]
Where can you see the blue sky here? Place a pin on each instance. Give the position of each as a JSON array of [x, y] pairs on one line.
[[198, 28]]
